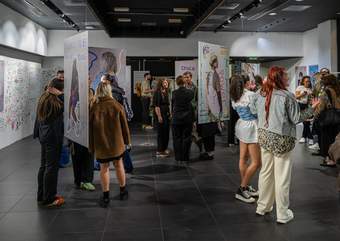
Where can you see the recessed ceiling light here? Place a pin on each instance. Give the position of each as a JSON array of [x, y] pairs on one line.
[[149, 23], [338, 13], [272, 14], [175, 20], [299, 0], [89, 27], [121, 9], [296, 8], [230, 6], [124, 20], [181, 10]]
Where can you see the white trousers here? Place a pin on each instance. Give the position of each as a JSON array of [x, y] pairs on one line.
[[274, 183]]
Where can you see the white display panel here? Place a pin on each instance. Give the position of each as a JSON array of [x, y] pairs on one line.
[[76, 108], [187, 66], [213, 84], [128, 84]]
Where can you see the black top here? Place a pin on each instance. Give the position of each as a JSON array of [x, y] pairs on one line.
[[162, 101], [182, 110]]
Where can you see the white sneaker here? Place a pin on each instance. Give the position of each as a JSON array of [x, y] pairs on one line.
[[302, 140], [290, 217], [310, 142], [314, 147], [262, 213]]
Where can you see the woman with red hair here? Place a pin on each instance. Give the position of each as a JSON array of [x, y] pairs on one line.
[[278, 113]]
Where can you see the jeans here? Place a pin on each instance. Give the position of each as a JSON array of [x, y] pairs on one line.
[[182, 141], [306, 130], [82, 164], [48, 172], [145, 110], [163, 130]]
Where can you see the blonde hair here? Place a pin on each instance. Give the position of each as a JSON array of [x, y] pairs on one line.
[[103, 90]]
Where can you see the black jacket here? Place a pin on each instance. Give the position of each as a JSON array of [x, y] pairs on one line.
[[182, 109]]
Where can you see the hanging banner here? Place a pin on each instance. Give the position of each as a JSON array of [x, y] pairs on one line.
[[187, 66], [76, 110], [213, 84]]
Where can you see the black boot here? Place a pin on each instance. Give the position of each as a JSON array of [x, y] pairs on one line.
[[124, 194], [104, 200]]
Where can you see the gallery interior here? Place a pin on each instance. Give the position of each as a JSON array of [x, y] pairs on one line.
[[169, 120]]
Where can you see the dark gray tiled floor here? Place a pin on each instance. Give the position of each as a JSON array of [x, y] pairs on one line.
[[167, 202]]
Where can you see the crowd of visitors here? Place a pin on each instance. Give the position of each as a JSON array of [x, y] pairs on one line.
[[266, 130]]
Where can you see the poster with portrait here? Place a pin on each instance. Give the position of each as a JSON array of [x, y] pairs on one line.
[[300, 71], [251, 70], [213, 84], [2, 85], [187, 66], [138, 79], [313, 69], [108, 61], [76, 110]]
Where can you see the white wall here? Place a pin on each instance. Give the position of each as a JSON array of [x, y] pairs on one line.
[[20, 32], [240, 44]]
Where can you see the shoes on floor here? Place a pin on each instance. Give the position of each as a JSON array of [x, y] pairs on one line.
[[104, 202], [87, 186], [58, 202], [310, 142], [161, 154], [123, 194], [243, 195], [263, 213], [206, 157], [252, 191], [302, 140], [147, 127], [315, 147], [290, 217]]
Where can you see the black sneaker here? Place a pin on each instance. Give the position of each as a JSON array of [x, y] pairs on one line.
[[243, 195], [104, 202], [206, 157], [252, 191]]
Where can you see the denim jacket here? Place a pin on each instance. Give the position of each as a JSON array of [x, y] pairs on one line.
[[284, 113]]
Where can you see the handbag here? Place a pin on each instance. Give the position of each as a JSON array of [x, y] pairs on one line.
[[330, 116], [128, 166]]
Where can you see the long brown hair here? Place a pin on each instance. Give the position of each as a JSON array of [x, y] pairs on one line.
[[49, 105], [160, 84], [237, 83], [274, 81], [330, 80]]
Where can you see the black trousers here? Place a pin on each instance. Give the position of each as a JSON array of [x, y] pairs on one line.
[[327, 137], [307, 133], [48, 172], [82, 164], [209, 143], [163, 130], [182, 141], [145, 110]]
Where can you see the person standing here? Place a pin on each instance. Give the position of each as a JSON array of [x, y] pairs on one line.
[[146, 100], [161, 103], [49, 129], [278, 113], [303, 94], [109, 135], [246, 132], [182, 120]]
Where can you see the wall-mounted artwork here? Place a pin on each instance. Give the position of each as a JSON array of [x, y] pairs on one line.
[[213, 84], [251, 70], [187, 66], [76, 88], [2, 85], [313, 69], [300, 71]]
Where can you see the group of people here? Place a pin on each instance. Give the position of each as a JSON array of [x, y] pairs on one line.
[[266, 130]]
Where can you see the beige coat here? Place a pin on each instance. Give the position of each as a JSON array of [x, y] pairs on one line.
[[109, 130]]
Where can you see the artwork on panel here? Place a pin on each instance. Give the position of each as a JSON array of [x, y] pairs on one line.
[[251, 70], [108, 61], [313, 69], [187, 66], [300, 71], [213, 84], [138, 80], [47, 74], [2, 85], [128, 83], [76, 88]]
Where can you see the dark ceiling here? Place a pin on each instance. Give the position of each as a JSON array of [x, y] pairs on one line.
[[152, 18]]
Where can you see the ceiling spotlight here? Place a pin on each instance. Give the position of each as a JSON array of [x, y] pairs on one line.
[[175, 20], [299, 0], [272, 14], [124, 20], [89, 27], [121, 9], [181, 10], [240, 14], [228, 21]]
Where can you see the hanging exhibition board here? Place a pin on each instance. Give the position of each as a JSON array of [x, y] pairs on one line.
[[313, 69], [300, 71], [251, 70], [108, 61], [2, 85], [76, 109], [187, 66], [128, 83], [138, 81], [213, 84]]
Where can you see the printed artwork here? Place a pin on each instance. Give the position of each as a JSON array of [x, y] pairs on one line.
[[187, 66], [128, 83], [138, 78], [76, 88], [108, 61], [2, 85], [251, 70], [313, 69], [213, 84], [20, 88], [300, 71]]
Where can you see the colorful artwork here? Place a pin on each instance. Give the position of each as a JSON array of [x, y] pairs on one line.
[[251, 70], [313, 69], [108, 61], [187, 66], [300, 71], [76, 88], [213, 84], [2, 85]]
